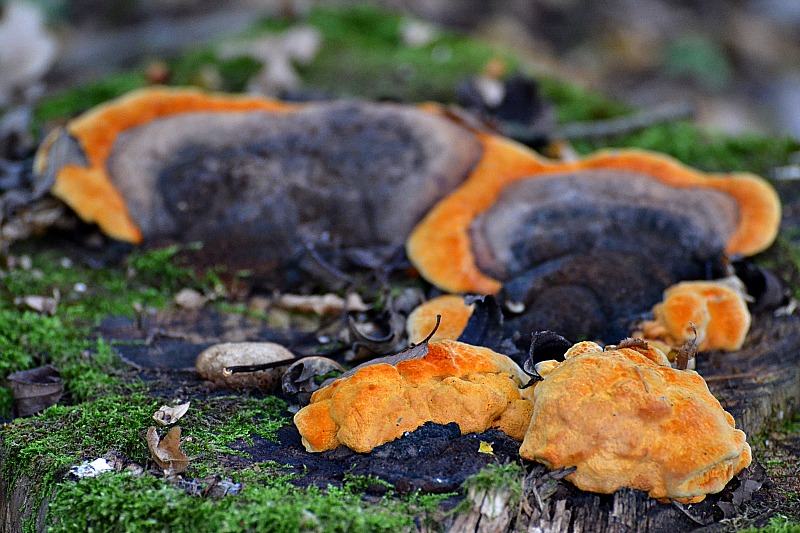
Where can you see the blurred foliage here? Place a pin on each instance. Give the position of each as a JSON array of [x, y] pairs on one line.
[[363, 55], [700, 59], [71, 102], [703, 149]]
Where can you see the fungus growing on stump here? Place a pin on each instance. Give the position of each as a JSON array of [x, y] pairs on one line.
[[256, 180], [713, 311], [625, 418], [588, 245], [454, 382]]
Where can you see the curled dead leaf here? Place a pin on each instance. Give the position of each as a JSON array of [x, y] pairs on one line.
[[167, 453], [299, 380], [35, 389], [167, 415]]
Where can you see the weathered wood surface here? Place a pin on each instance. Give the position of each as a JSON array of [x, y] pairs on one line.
[[760, 383]]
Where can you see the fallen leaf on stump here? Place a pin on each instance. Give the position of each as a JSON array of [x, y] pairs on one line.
[[169, 415], [300, 379], [167, 453], [35, 389]]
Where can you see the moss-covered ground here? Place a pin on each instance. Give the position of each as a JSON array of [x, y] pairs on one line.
[[107, 407]]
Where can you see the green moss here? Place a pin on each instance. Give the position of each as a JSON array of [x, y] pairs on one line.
[[106, 503], [243, 417], [575, 104], [698, 58], [79, 99], [43, 447], [88, 366], [777, 524], [363, 55], [705, 150], [507, 477], [29, 339], [159, 268]]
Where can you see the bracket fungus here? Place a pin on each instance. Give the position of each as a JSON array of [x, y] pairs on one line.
[[454, 382], [254, 179], [624, 418], [713, 311], [586, 245]]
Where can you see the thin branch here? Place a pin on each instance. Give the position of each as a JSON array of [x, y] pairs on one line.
[[669, 112]]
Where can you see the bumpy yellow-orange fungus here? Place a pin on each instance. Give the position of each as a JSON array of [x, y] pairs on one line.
[[717, 310], [454, 382], [625, 418]]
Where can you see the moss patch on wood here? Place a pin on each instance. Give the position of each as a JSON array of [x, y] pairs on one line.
[[264, 504]]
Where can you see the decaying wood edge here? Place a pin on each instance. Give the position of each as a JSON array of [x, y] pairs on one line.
[[18, 502]]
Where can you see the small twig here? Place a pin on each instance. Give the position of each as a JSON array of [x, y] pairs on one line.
[[158, 333], [668, 112], [329, 268], [433, 331], [618, 126], [688, 351], [241, 369], [539, 502]]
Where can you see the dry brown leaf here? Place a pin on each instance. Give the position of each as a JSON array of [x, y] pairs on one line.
[[167, 415], [326, 304], [167, 453], [46, 305], [35, 389]]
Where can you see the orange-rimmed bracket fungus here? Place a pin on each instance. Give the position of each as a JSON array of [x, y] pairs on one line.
[[625, 418], [585, 246], [257, 181], [713, 314], [453, 382]]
